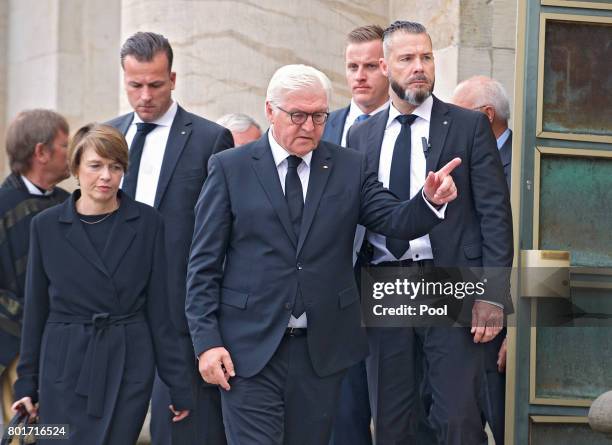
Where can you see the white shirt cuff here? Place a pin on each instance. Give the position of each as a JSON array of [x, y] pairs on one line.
[[439, 213], [494, 303]]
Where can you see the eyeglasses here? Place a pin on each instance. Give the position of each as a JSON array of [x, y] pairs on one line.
[[300, 117]]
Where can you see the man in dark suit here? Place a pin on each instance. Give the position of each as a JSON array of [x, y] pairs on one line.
[[36, 145], [370, 95], [416, 134], [169, 151], [272, 303], [487, 95], [369, 87]]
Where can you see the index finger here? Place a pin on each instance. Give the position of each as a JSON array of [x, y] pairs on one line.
[[448, 168]]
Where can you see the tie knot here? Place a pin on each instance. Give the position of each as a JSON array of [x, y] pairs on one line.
[[293, 161], [145, 127], [361, 118], [406, 119]]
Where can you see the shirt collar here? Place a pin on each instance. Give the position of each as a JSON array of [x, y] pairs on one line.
[[32, 189], [501, 140], [165, 120], [280, 154], [355, 111], [423, 111]]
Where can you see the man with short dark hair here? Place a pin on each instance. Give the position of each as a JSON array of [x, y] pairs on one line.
[[369, 86], [370, 94], [169, 152], [415, 135], [36, 144]]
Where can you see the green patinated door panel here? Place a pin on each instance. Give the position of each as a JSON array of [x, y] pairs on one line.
[[563, 197]]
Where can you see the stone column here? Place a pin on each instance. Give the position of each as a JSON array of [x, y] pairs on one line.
[[62, 55], [226, 52]]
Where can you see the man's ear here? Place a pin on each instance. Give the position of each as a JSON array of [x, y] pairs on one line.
[[490, 112], [41, 153], [383, 66], [269, 110]]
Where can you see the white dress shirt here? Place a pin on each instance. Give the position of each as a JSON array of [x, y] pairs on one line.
[[280, 156], [420, 248], [152, 154], [353, 114], [32, 189]]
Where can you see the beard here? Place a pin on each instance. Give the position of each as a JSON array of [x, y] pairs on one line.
[[413, 97]]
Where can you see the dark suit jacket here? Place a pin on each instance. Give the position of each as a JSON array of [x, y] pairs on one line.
[[477, 230], [334, 127], [191, 142], [246, 262], [90, 371], [505, 153]]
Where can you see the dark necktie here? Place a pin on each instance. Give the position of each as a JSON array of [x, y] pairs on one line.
[[131, 176], [295, 201], [399, 179], [361, 118]]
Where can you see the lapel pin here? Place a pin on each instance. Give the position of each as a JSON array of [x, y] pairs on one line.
[[325, 166], [183, 132], [445, 122]]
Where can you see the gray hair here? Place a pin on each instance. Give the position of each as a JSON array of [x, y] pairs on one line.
[[238, 122], [296, 77], [487, 91], [143, 46], [403, 26], [31, 127]]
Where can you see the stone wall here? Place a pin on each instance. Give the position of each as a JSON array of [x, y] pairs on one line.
[[63, 54]]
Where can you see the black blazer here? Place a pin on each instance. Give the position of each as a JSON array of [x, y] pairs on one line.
[[96, 326], [477, 229], [334, 127], [246, 262], [191, 142]]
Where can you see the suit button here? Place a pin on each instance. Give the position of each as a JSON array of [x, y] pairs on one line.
[[288, 306], [299, 266]]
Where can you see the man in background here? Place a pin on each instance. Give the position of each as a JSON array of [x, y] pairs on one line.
[[243, 127], [369, 86], [414, 136], [369, 95], [169, 151], [487, 95], [36, 145]]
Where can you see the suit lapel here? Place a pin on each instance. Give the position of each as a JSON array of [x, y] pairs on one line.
[[177, 139], [375, 138], [438, 129], [125, 123], [506, 151], [320, 166], [76, 234], [121, 235], [337, 126], [266, 172]]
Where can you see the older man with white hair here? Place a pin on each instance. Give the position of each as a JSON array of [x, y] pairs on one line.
[[243, 127], [272, 303], [487, 95]]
